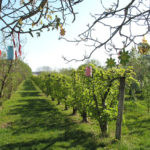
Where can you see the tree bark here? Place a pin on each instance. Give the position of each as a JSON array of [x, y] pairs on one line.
[[5, 79], [58, 103], [66, 107], [102, 123], [10, 91], [84, 116], [74, 112], [0, 5], [120, 108], [103, 127]]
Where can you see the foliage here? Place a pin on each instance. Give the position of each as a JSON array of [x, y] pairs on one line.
[[146, 92], [30, 120], [56, 85], [124, 57], [141, 68], [12, 73], [66, 71], [32, 16], [144, 47], [111, 62], [118, 19], [94, 96]]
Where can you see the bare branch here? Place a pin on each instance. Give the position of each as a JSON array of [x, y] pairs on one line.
[[33, 15], [121, 22], [0, 5]]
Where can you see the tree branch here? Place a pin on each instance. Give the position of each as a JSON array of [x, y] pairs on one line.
[[135, 14]]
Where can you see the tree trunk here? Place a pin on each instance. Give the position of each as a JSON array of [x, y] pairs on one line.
[[102, 123], [74, 112], [10, 92], [58, 103], [66, 107], [103, 127], [5, 79], [120, 108], [84, 116]]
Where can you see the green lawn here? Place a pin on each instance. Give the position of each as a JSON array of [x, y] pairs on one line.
[[31, 121]]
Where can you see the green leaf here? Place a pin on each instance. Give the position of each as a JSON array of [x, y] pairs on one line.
[[124, 57], [111, 62]]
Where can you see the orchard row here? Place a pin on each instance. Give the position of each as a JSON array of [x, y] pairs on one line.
[[95, 95], [12, 73]]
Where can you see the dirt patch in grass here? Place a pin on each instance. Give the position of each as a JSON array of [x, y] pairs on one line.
[[6, 125]]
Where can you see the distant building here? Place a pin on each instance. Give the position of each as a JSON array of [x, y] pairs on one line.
[[36, 73]]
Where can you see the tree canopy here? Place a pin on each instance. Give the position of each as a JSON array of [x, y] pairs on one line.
[[29, 16], [124, 21]]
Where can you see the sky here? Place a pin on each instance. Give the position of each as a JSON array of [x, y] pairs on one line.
[[47, 50]]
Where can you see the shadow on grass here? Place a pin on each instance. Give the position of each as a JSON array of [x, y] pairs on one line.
[[32, 93], [40, 116], [139, 127], [28, 85]]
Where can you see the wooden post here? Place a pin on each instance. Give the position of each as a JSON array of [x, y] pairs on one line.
[[120, 107]]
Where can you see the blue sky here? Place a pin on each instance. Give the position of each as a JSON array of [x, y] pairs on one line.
[[47, 50]]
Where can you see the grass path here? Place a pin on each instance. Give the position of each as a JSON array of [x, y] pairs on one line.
[[29, 121]]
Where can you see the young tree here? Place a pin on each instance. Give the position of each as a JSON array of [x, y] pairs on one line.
[[82, 93], [104, 92], [74, 94], [6, 68], [12, 73]]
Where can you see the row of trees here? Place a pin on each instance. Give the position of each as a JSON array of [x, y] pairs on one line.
[[12, 73], [93, 96], [141, 65]]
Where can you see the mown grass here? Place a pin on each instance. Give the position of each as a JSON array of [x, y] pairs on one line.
[[31, 121]]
